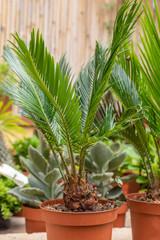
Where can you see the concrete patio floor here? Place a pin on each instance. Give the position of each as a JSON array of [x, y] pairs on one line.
[[17, 231], [118, 234]]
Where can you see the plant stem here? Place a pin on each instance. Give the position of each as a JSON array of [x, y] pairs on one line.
[[150, 165], [157, 149], [82, 162], [141, 134], [72, 161]]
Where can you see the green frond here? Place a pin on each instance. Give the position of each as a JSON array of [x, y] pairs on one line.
[[94, 77], [46, 114], [128, 96], [149, 66]]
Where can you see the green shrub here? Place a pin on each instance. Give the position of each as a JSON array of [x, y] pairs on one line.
[[20, 148], [8, 204]]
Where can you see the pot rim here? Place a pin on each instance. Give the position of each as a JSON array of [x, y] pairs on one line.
[[76, 213], [142, 207], [77, 218], [130, 196], [24, 206]]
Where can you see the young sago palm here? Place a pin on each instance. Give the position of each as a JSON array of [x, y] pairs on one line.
[[65, 113]]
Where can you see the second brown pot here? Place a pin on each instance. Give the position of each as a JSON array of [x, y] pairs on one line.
[[120, 221], [33, 220], [145, 218], [78, 225]]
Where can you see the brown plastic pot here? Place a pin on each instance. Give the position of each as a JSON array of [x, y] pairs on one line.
[[134, 187], [120, 221], [18, 214], [34, 221], [145, 218], [78, 225]]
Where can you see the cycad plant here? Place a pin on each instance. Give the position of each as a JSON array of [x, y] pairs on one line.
[[65, 113], [136, 82]]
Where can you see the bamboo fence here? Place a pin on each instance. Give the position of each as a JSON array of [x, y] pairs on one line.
[[71, 26]]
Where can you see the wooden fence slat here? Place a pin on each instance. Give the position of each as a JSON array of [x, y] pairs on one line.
[[70, 26]]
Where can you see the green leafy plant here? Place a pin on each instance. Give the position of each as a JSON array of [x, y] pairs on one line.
[[4, 70], [8, 127], [43, 177], [8, 204], [20, 148], [134, 82], [63, 113]]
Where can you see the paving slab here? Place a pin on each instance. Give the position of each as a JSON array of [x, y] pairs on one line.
[[118, 234]]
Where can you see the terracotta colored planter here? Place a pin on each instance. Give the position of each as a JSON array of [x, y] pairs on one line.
[[78, 225], [18, 214], [34, 222], [120, 221], [145, 218], [125, 188], [134, 187], [25, 173], [129, 187]]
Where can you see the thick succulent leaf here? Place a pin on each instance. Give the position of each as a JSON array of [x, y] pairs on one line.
[[90, 164], [129, 178], [101, 154], [102, 176], [33, 191], [115, 147], [37, 158], [34, 182], [114, 192], [52, 176], [116, 161], [52, 162], [44, 148], [29, 200], [29, 166]]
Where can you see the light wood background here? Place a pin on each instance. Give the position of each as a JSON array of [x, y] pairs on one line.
[[70, 26]]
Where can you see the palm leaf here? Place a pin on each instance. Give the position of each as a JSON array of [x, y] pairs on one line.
[[93, 79], [35, 104], [126, 92], [150, 61]]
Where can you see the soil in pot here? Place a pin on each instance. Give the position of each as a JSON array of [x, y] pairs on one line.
[[78, 225], [120, 221], [33, 220], [145, 217]]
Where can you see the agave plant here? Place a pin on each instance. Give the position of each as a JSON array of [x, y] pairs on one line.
[[134, 82], [65, 113]]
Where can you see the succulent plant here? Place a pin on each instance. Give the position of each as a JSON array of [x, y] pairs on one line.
[[102, 161], [43, 177]]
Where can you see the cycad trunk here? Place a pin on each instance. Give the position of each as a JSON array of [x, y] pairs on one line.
[[80, 195], [4, 155]]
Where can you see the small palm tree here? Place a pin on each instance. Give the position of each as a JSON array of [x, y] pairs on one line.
[[64, 113], [136, 82]]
